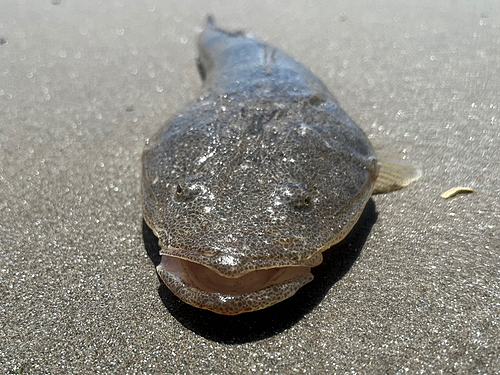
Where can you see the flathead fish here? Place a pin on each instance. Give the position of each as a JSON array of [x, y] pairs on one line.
[[250, 183]]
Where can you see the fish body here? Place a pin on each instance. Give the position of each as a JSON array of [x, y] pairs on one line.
[[250, 183]]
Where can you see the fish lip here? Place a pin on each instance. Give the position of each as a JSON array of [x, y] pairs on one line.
[[230, 266], [228, 304]]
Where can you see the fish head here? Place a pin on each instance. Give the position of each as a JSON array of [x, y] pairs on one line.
[[242, 212]]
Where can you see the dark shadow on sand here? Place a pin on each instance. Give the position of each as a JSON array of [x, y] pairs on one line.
[[275, 319]]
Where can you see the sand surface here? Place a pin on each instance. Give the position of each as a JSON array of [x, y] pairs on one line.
[[414, 289]]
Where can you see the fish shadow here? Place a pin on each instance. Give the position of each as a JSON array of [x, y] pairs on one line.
[[268, 322]]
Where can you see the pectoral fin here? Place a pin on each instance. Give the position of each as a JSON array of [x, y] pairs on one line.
[[395, 173]]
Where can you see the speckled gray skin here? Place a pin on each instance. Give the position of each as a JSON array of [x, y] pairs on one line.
[[263, 172]]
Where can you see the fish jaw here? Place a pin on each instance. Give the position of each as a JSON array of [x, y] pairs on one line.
[[203, 288]]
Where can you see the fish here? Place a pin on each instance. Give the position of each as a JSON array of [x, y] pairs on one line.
[[252, 181]]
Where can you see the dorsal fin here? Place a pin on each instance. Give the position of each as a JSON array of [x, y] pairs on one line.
[[212, 25]]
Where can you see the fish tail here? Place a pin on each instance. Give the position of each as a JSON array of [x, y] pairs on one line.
[[214, 49], [233, 61], [210, 21]]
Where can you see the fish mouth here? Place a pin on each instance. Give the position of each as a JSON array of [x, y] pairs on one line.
[[203, 287]]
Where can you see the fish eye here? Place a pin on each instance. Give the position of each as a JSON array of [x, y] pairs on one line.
[[307, 200], [179, 189], [189, 188], [301, 200], [295, 195]]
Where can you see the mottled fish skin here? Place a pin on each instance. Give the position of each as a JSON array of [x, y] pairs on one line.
[[234, 63], [263, 172]]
